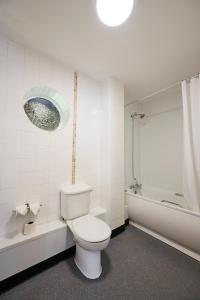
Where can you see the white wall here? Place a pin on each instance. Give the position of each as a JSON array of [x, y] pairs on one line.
[[34, 164], [158, 162], [161, 151]]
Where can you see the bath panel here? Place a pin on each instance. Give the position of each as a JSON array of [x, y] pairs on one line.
[[174, 223]]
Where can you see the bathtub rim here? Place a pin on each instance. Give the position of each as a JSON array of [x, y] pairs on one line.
[[183, 210]]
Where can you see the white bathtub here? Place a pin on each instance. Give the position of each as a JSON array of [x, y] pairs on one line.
[[172, 224]]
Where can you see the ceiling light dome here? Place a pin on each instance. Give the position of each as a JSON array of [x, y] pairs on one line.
[[114, 12]]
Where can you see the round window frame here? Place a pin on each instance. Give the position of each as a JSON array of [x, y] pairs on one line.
[[55, 98]]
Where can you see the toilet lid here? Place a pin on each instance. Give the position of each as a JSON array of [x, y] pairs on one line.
[[91, 229]]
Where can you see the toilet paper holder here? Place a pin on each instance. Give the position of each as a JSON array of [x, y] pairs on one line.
[[27, 208]]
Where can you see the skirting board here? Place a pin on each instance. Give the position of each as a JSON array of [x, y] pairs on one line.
[[27, 273], [167, 241], [119, 229]]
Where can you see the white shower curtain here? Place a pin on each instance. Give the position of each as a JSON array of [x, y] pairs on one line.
[[191, 133]]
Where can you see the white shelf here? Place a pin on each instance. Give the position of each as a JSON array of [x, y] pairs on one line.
[[20, 238], [41, 230], [97, 211]]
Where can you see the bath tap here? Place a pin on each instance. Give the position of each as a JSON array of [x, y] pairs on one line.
[[136, 186]]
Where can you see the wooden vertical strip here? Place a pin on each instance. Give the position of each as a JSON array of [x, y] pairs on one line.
[[74, 129]]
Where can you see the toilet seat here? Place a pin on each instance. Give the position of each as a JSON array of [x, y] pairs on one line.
[[90, 229]]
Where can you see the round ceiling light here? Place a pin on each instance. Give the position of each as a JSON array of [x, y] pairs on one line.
[[114, 12]]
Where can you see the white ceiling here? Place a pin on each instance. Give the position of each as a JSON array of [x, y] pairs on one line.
[[157, 46]]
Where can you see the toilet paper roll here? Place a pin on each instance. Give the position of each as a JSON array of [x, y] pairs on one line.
[[21, 210], [34, 208], [29, 228]]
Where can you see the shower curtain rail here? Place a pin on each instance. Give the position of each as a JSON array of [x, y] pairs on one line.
[[163, 90]]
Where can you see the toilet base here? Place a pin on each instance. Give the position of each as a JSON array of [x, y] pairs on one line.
[[88, 262]]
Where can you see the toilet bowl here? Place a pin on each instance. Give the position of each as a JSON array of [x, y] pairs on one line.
[[91, 236]]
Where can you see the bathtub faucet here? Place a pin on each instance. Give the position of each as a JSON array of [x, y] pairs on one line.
[[136, 186]]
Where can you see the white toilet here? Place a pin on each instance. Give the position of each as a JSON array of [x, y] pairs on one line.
[[90, 233]]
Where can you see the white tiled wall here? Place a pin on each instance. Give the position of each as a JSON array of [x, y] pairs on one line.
[[156, 167], [34, 164]]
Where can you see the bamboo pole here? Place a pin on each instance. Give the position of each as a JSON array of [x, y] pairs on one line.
[[74, 129]]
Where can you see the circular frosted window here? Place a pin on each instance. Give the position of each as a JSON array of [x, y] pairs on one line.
[[46, 108]]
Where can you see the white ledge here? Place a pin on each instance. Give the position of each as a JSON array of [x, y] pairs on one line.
[[20, 238], [41, 230], [97, 211]]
